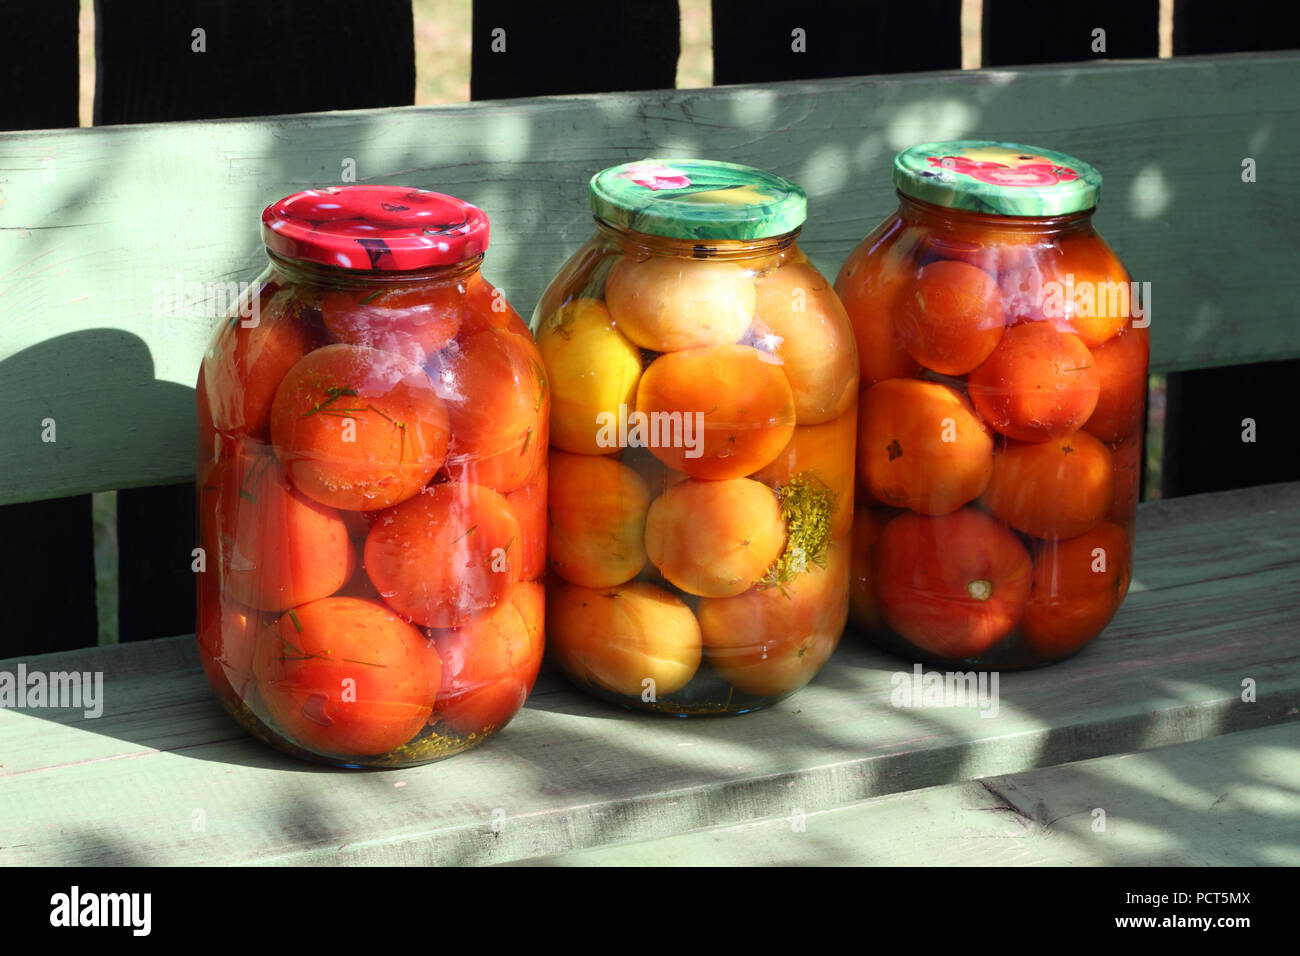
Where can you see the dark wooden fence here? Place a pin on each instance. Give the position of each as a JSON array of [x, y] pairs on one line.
[[308, 55]]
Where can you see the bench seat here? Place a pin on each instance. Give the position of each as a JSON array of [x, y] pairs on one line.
[[165, 777]]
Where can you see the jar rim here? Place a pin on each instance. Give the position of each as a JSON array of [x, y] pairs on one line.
[[650, 243]]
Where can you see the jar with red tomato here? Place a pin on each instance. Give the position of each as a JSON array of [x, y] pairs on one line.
[[1003, 352], [704, 386], [372, 485]]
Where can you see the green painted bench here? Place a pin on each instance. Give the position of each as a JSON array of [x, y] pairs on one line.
[[1172, 739]]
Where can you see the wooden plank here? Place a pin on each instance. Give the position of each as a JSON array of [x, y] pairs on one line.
[[1225, 801], [571, 773], [84, 261], [1206, 409]]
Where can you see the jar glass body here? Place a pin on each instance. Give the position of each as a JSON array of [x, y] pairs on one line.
[[702, 426], [371, 485], [1004, 379]]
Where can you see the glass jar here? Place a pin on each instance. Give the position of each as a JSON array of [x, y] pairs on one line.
[[1004, 357], [704, 391], [372, 485]]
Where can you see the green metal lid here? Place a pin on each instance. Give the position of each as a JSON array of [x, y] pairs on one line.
[[697, 199], [1006, 179]]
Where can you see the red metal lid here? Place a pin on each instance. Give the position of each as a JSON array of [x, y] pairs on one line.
[[380, 228]]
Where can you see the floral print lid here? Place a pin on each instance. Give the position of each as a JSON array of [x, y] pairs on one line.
[[375, 228], [1007, 179], [697, 199]]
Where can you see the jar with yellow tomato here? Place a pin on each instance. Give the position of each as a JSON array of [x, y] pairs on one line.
[[704, 386]]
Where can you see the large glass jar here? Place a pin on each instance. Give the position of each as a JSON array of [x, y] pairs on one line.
[[704, 391], [372, 485], [1004, 357]]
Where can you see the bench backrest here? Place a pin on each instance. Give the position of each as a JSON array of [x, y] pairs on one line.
[[96, 222]]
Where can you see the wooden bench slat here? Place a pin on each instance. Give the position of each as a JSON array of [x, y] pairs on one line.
[[571, 774], [1224, 801], [131, 207]]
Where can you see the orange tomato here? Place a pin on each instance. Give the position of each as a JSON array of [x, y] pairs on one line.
[[714, 538], [445, 555], [347, 677], [741, 399], [488, 668], [773, 641], [950, 317], [358, 428], [1075, 287], [243, 375], [826, 452], [1122, 373], [921, 446], [802, 322], [954, 585], [495, 388], [870, 284], [1037, 385], [635, 639], [597, 508], [528, 505], [1062, 487], [1078, 585], [275, 547]]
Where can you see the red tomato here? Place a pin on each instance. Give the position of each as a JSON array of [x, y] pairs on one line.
[[494, 385], [358, 428], [226, 633], [529, 598], [1122, 370], [528, 505], [347, 677], [1038, 384], [414, 321], [274, 546], [950, 316], [870, 285], [1078, 584], [445, 555], [243, 374], [489, 666], [486, 308], [1127, 457], [953, 585]]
